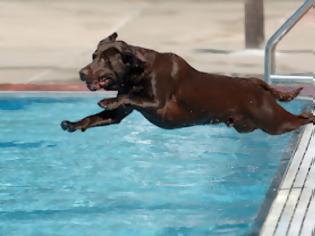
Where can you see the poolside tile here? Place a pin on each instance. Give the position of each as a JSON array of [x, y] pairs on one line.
[[274, 213], [299, 213], [287, 212], [297, 160], [292, 212], [304, 168], [309, 221]]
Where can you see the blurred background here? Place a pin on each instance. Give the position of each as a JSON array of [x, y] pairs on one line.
[[47, 42]]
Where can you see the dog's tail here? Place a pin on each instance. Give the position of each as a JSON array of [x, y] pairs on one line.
[[285, 96], [280, 95]]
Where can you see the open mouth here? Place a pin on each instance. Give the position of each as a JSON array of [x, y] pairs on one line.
[[108, 83], [105, 82]]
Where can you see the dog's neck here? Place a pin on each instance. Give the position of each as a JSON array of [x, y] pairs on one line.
[[146, 55], [141, 83]]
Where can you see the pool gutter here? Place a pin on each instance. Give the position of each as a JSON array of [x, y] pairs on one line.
[[293, 208]]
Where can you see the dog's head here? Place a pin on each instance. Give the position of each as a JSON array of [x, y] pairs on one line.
[[113, 64]]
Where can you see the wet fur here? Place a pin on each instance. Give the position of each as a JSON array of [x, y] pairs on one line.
[[172, 94]]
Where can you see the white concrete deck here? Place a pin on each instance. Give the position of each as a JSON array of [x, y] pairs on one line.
[[293, 210], [44, 42]]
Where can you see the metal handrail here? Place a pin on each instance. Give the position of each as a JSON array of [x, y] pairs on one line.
[[270, 66]]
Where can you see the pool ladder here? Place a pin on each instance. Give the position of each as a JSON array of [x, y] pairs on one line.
[[270, 65]]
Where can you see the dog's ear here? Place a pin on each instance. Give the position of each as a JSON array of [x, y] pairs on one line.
[[110, 38], [135, 64], [113, 37]]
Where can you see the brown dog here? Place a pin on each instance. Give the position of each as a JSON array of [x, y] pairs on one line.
[[172, 94]]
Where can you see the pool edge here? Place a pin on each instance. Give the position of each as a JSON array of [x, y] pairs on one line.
[[288, 211], [275, 184]]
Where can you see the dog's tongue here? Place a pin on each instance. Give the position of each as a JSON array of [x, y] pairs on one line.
[[104, 82]]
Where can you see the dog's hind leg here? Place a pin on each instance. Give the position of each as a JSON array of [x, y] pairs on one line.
[[283, 122], [308, 116], [279, 95], [273, 119]]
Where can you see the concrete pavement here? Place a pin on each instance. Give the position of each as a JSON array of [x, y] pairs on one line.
[[46, 42]]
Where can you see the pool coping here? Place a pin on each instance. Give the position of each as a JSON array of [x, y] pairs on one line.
[[289, 213], [275, 183], [278, 176]]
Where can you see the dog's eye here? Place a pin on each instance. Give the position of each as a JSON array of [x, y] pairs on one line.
[[93, 56]]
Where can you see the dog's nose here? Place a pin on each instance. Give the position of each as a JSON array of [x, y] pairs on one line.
[[83, 74]]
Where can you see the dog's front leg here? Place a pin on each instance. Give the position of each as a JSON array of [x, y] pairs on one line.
[[125, 100], [110, 103], [106, 117]]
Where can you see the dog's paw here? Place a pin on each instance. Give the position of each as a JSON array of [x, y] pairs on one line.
[[306, 115], [68, 126]]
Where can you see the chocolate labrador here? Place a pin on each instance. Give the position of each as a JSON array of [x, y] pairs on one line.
[[170, 93]]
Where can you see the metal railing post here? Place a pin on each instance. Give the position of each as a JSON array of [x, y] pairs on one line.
[[270, 65]]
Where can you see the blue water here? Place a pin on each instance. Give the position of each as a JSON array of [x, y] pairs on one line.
[[127, 179]]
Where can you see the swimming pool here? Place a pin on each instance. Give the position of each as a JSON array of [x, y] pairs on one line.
[[128, 179]]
